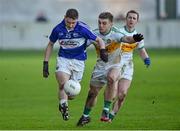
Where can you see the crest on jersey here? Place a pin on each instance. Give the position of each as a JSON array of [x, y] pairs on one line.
[[108, 41], [60, 34], [75, 34]]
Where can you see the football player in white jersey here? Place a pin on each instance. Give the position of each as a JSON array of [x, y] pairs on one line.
[[124, 83], [106, 73], [72, 36]]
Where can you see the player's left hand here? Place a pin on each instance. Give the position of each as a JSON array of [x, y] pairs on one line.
[[104, 55], [147, 62], [45, 69], [138, 37]]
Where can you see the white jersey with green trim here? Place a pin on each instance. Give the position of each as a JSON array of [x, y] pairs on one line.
[[127, 49], [112, 42]]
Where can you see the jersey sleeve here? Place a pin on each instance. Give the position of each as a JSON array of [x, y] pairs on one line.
[[140, 44], [118, 33], [89, 42], [85, 29], [120, 36], [54, 36], [90, 35]]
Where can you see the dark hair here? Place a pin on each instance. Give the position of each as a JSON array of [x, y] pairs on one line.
[[106, 15], [133, 11], [72, 13]]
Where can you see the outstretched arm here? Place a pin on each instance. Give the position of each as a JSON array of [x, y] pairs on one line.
[[100, 42], [132, 39]]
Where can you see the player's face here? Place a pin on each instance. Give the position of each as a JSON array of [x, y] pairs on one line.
[[131, 20], [70, 23], [104, 25]]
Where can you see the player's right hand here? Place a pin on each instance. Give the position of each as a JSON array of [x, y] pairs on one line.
[[147, 62], [138, 37], [45, 69], [104, 55]]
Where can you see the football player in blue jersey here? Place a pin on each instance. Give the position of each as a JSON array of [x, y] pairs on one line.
[[72, 36]]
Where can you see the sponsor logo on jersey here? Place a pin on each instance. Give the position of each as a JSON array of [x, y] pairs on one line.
[[126, 47], [75, 34]]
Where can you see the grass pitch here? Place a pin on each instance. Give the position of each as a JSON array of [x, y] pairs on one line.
[[28, 101]]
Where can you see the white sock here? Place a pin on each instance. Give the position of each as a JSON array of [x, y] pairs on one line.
[[63, 101], [85, 115], [106, 109]]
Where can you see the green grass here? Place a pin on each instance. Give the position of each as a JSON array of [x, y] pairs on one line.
[[28, 101]]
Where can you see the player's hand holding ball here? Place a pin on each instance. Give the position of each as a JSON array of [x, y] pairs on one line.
[[45, 69]]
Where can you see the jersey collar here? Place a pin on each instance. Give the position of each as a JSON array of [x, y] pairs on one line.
[[106, 32], [126, 29]]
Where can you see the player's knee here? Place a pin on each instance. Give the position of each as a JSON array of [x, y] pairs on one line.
[[111, 79], [121, 96], [114, 98], [61, 87], [92, 94], [94, 90]]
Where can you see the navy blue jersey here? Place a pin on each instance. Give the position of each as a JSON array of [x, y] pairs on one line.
[[72, 43]]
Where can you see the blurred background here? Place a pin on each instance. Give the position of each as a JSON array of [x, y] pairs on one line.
[[29, 102], [26, 24]]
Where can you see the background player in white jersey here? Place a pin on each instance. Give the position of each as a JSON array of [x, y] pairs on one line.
[[106, 73], [132, 18], [72, 36]]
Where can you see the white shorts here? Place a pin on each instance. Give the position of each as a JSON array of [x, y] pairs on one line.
[[127, 69], [101, 69], [99, 75], [73, 67]]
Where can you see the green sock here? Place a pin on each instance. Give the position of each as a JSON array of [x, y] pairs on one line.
[[86, 111], [107, 105], [111, 116]]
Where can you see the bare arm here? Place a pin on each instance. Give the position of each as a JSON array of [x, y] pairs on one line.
[[143, 53], [132, 39], [47, 55], [100, 42], [48, 51], [128, 39], [103, 53]]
